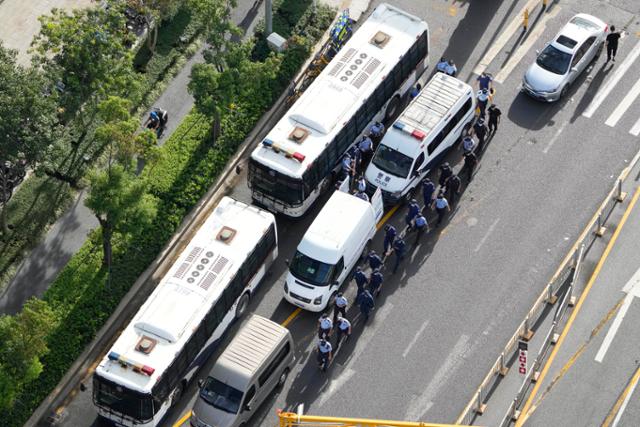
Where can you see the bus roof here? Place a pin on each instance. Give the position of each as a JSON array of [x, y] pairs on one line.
[[248, 351], [338, 92], [195, 281]]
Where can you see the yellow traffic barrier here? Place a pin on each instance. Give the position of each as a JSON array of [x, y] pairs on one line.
[[525, 20], [289, 419], [544, 3]]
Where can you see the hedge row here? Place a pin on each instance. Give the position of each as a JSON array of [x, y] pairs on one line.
[[81, 296]]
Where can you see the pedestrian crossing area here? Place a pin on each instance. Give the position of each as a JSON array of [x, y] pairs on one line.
[[610, 91]]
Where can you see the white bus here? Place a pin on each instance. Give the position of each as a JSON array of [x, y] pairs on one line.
[[176, 329], [364, 82]]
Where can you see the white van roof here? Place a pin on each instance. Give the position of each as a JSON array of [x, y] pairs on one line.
[[248, 351], [333, 226], [430, 107]]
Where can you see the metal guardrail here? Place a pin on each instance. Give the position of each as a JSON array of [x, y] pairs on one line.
[[569, 266]]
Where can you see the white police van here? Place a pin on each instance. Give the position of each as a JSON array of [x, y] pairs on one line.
[[432, 123]]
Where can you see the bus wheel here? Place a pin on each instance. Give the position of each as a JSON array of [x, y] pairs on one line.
[[392, 108], [177, 392], [242, 305]]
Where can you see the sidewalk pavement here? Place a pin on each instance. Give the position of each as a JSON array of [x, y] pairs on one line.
[[19, 21]]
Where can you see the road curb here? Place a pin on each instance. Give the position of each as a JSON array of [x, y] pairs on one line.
[[52, 407]]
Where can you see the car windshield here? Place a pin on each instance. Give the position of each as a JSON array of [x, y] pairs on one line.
[[554, 60], [309, 270], [392, 161], [221, 395]]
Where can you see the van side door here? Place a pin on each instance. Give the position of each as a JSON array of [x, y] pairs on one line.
[[270, 377], [248, 403]]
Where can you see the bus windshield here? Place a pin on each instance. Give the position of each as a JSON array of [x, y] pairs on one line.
[[309, 270], [276, 185], [392, 161], [116, 398], [221, 395]]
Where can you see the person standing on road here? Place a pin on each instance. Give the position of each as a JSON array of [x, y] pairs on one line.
[[442, 207], [445, 173], [361, 184], [375, 132], [484, 81], [366, 304], [483, 99], [325, 325], [390, 233], [375, 282], [415, 91], [360, 278], [468, 144], [442, 65], [412, 210], [612, 44], [470, 162], [421, 226], [325, 354], [343, 329], [374, 260], [399, 248], [339, 306], [453, 188], [451, 70], [494, 118], [346, 167], [428, 189], [366, 148], [480, 130], [361, 195]]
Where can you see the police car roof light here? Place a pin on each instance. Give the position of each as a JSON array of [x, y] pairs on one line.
[[399, 125], [299, 157], [147, 370], [267, 142], [418, 134], [113, 356]]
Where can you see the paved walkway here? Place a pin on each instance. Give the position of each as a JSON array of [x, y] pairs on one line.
[[19, 21]]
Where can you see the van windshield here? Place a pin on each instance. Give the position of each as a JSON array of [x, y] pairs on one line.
[[221, 395], [309, 270], [392, 161]]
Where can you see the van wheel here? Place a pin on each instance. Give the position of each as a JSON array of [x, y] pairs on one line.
[[392, 108], [242, 305], [283, 378]]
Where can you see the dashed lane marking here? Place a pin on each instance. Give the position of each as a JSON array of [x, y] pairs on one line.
[[635, 130], [415, 338], [555, 137], [487, 234]]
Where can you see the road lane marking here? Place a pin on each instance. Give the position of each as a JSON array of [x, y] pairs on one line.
[[624, 105], [623, 400], [415, 338], [522, 50], [497, 45], [421, 404], [335, 383], [635, 130], [486, 236], [291, 317], [596, 272], [612, 82], [555, 137], [632, 289], [183, 419]]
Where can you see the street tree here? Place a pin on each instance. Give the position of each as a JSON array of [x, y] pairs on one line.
[[28, 124], [23, 342], [155, 11], [85, 54], [218, 28]]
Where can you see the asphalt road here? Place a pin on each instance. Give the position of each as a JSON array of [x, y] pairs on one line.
[[442, 320]]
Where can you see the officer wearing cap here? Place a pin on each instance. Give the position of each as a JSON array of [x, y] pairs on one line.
[[325, 325], [483, 99], [480, 130], [343, 327], [325, 354], [339, 306], [390, 233], [412, 210], [468, 144], [360, 278], [375, 282], [374, 260]]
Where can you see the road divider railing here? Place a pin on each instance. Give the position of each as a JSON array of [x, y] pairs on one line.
[[568, 269]]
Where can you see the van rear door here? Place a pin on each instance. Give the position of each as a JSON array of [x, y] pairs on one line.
[[377, 204]]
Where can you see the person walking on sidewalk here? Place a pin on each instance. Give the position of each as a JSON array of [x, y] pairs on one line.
[[470, 162], [453, 189], [421, 226], [494, 118], [399, 248], [442, 207], [612, 44], [390, 233], [428, 189]]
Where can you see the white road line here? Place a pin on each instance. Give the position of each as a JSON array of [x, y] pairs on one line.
[[497, 45], [415, 338], [612, 82], [635, 130], [421, 404], [486, 236], [532, 37], [555, 137], [377, 319], [624, 105], [616, 420], [614, 328]]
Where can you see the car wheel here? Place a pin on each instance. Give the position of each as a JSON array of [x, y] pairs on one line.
[[392, 108], [242, 305], [283, 378], [564, 92]]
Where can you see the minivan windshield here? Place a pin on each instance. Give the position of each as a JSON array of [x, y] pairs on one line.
[[221, 395], [392, 161], [310, 270], [554, 60]]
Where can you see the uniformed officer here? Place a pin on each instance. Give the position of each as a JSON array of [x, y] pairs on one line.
[[451, 69], [360, 278], [483, 99], [366, 304], [445, 173], [412, 210], [325, 325], [376, 132], [339, 306], [468, 144], [361, 195], [366, 148], [428, 188], [375, 282], [374, 260], [420, 225], [453, 188], [361, 184], [470, 161], [325, 354], [399, 248], [343, 327], [390, 233], [415, 91], [480, 129], [346, 167], [442, 207], [442, 65]]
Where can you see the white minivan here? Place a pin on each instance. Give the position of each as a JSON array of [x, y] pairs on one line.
[[330, 248], [432, 123]]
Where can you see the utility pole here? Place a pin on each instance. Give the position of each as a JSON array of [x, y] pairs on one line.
[[267, 18]]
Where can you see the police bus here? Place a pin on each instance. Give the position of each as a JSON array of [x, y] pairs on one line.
[[176, 329], [364, 82]]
